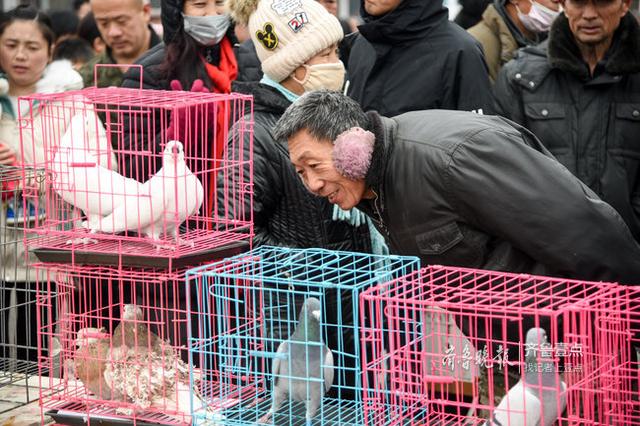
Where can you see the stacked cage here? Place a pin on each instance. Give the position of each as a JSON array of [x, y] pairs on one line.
[[122, 334], [18, 338], [622, 339], [139, 173], [466, 347], [139, 185], [278, 335]]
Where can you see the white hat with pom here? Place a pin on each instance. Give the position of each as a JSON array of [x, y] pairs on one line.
[[286, 33]]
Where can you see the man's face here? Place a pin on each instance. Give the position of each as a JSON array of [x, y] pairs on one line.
[[381, 7], [594, 21], [123, 25], [313, 161], [330, 5]]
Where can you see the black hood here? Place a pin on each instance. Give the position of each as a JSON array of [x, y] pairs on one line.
[[171, 16], [411, 20]]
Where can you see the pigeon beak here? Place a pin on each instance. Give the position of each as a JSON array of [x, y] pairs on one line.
[[316, 314]]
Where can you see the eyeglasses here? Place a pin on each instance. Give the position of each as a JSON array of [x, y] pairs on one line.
[[596, 3]]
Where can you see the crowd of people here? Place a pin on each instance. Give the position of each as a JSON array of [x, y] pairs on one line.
[[529, 160]]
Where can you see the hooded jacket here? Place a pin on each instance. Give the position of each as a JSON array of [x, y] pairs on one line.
[[59, 76], [285, 213], [413, 58], [461, 189], [589, 123], [500, 37]]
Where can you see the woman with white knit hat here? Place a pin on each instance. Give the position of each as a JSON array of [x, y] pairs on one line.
[[296, 41]]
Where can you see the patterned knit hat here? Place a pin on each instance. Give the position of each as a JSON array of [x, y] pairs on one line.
[[286, 33]]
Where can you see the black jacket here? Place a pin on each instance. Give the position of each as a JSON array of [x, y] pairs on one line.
[[590, 123], [413, 58], [249, 66], [285, 213], [457, 188]]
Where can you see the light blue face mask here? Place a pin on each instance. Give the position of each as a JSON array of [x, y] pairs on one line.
[[206, 30]]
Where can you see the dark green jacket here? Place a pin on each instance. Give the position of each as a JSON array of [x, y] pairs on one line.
[[108, 76]]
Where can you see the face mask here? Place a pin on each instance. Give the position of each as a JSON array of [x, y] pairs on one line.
[[539, 18], [323, 76], [206, 30]]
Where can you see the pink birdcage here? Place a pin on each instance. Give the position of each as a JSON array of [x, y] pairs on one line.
[[466, 347], [121, 339], [622, 339], [136, 173]]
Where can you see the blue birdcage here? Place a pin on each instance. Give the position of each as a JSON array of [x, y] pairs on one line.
[[278, 335]]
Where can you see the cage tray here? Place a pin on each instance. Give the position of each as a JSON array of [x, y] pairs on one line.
[[73, 418], [81, 257]]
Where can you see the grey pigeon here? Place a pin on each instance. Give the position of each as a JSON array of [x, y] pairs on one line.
[[303, 366], [539, 397]]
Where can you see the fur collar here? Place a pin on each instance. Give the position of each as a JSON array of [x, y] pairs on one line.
[[623, 56], [381, 150]]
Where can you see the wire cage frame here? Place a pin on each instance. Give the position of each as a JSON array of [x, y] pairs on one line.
[[123, 339], [622, 337], [140, 173], [250, 311], [460, 346], [18, 296]]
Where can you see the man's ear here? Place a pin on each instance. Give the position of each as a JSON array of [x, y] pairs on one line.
[[146, 9], [626, 5]]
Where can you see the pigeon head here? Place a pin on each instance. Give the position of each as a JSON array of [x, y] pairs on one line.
[[536, 336], [131, 312], [74, 135], [173, 152], [539, 367], [309, 320]]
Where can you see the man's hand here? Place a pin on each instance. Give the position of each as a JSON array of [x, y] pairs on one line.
[[7, 155]]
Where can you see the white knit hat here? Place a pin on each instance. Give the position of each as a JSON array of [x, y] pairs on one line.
[[286, 33]]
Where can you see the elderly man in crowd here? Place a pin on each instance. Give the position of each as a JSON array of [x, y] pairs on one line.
[[124, 27], [458, 188], [579, 92]]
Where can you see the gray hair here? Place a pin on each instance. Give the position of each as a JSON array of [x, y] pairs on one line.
[[323, 113]]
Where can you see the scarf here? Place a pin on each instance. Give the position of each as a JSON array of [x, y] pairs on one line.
[[221, 76]]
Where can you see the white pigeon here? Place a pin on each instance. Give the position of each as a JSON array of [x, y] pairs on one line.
[[539, 396], [167, 199], [80, 178], [303, 366]]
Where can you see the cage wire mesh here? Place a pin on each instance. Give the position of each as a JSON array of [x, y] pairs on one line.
[[280, 326], [18, 339], [455, 346], [123, 344], [622, 338], [133, 172]]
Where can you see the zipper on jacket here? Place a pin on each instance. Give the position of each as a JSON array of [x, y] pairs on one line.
[[379, 214]]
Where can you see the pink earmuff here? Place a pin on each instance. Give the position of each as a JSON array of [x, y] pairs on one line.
[[352, 152]]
